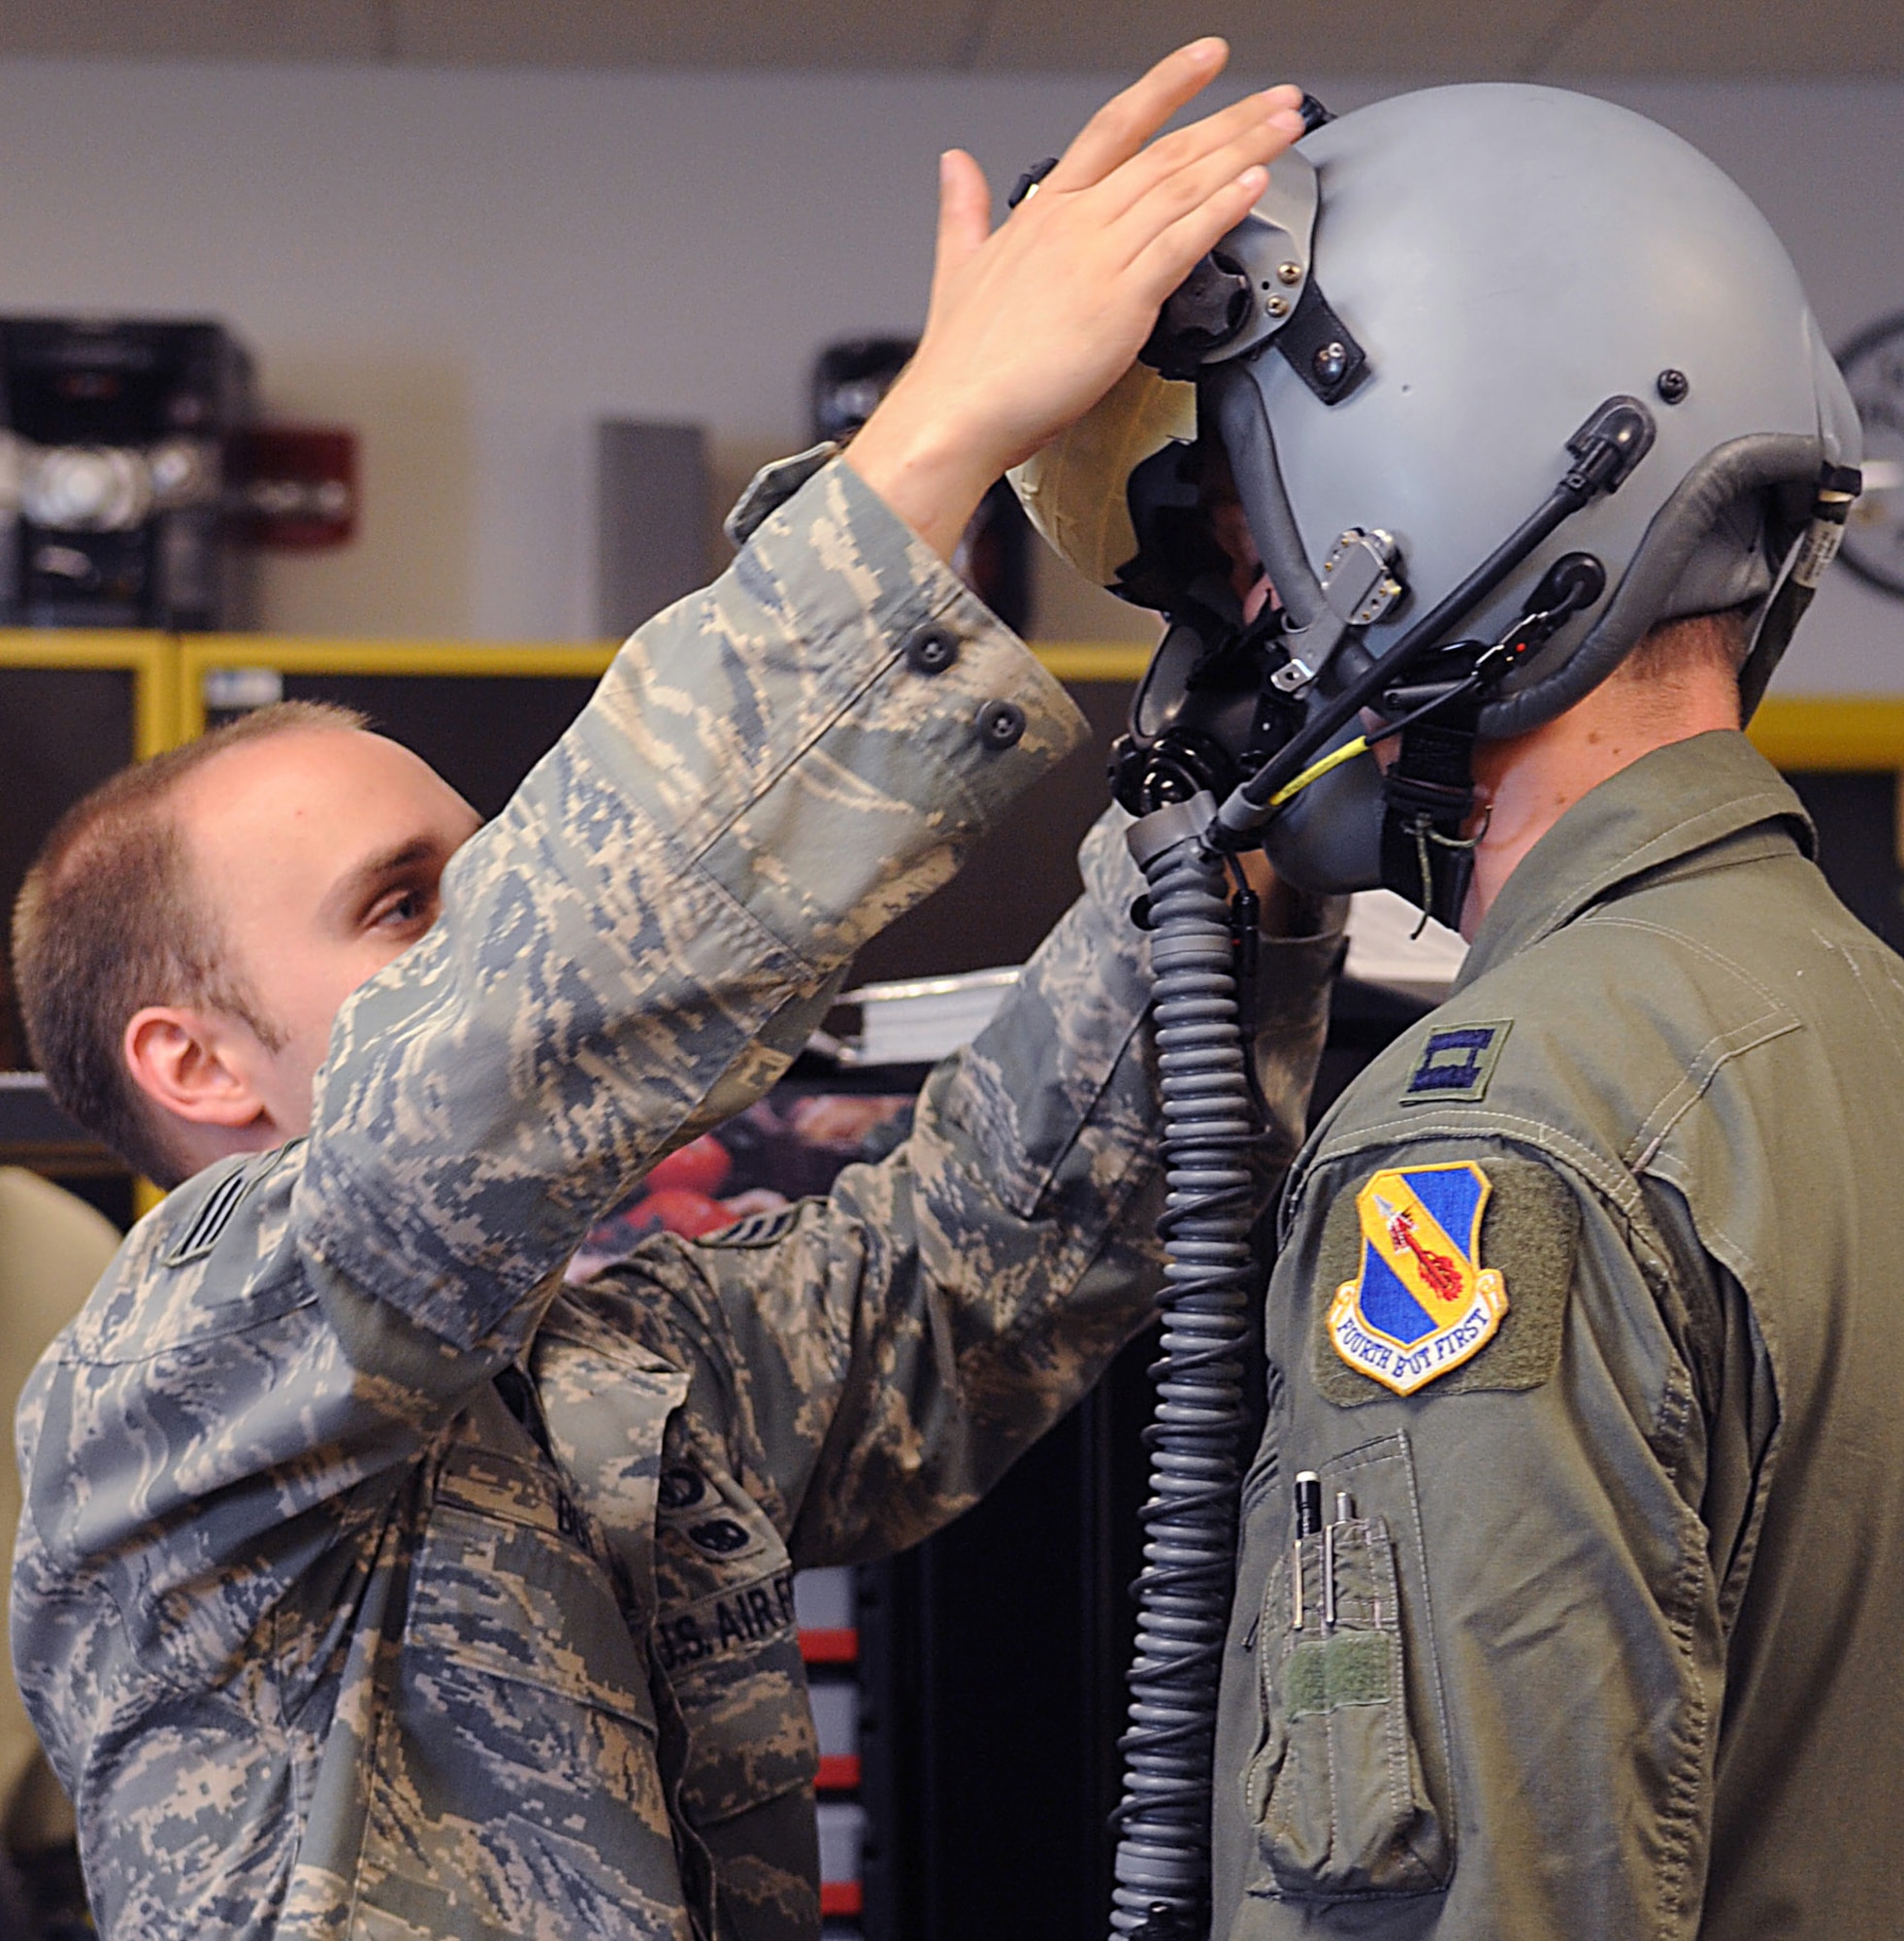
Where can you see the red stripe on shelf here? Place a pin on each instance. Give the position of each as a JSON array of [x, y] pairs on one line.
[[842, 1897], [839, 1772], [835, 1647]]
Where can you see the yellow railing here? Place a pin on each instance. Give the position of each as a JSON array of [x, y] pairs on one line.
[[1800, 732], [200, 654], [149, 660]]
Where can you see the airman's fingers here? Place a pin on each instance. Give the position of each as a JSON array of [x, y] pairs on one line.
[[1030, 324], [1122, 126], [965, 214], [1259, 119], [1183, 189], [1169, 255]]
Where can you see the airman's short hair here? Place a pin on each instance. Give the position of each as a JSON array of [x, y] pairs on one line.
[[1674, 647], [110, 920]]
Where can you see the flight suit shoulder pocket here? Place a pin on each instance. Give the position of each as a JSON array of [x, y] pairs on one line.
[[1344, 1786]]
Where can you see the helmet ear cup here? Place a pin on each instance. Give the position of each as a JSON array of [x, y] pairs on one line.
[[1676, 539]]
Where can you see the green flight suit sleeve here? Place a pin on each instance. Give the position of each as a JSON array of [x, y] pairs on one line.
[[1508, 1731]]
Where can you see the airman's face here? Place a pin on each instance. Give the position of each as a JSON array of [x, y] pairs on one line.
[[321, 851]]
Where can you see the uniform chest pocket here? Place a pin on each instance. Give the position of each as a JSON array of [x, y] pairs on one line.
[[1343, 1787], [514, 1768], [528, 1604]]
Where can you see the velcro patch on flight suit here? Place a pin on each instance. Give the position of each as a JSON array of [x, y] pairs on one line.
[[1454, 1276]]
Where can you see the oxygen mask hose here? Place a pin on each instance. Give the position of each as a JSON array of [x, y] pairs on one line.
[[1210, 1129]]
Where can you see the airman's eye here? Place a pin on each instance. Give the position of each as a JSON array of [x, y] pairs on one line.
[[404, 909]]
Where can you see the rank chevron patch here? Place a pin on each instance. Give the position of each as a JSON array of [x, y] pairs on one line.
[[1422, 1302]]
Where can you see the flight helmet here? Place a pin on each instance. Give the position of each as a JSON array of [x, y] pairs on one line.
[[1502, 376]]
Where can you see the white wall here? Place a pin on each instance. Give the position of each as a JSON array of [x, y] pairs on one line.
[[473, 267]]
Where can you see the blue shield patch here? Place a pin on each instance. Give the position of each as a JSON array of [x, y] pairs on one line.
[[1422, 1302]]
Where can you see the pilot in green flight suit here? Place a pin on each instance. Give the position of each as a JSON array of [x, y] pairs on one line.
[[1588, 1320]]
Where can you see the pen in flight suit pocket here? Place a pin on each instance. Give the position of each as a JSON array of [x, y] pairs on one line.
[[1337, 1790]]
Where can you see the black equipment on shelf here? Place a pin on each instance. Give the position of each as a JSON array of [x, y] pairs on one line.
[[116, 447]]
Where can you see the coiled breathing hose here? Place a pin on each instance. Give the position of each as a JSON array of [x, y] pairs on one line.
[[1162, 1871]]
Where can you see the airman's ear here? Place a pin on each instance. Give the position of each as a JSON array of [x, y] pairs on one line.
[[192, 1065]]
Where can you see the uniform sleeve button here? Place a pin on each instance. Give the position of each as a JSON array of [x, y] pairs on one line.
[[1000, 724], [931, 649]]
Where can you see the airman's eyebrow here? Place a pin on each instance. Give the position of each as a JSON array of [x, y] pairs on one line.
[[357, 885]]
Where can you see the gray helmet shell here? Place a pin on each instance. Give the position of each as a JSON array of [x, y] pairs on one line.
[[1509, 257]]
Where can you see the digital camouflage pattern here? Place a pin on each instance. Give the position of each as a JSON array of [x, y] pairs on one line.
[[1617, 1601], [870, 1372], [373, 1583]]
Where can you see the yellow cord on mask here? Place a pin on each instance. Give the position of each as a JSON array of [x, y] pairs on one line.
[[1315, 771]]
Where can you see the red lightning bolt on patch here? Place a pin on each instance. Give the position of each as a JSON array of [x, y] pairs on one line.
[[1443, 1276]]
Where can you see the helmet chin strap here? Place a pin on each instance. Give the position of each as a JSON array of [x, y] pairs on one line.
[[1428, 798], [1427, 855], [1605, 449], [1427, 792]]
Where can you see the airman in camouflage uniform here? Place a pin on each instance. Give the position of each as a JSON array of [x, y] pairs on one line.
[[376, 1584]]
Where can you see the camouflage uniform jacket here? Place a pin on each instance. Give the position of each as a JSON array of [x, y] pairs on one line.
[[1607, 1641], [374, 1584]]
